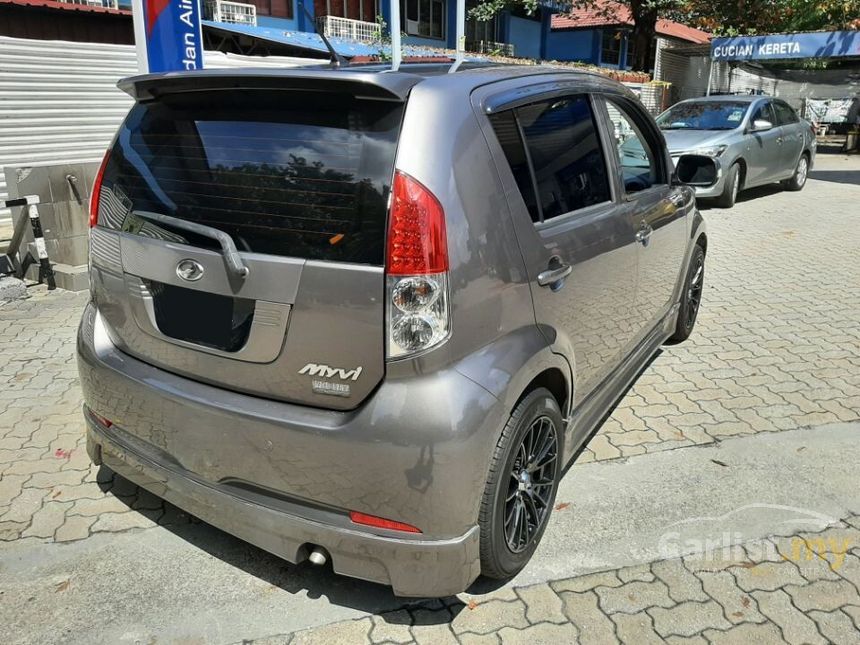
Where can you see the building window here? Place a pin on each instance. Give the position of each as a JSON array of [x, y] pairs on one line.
[[274, 8], [424, 18], [610, 47], [631, 51]]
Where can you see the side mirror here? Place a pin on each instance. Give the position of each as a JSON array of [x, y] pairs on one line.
[[760, 125], [697, 170]]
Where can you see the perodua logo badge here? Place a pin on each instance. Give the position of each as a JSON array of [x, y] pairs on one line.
[[189, 270]]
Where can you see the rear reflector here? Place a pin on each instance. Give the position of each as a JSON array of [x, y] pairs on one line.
[[96, 191], [417, 241], [107, 423], [380, 523]]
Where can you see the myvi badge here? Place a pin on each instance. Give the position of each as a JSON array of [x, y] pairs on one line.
[[167, 34]]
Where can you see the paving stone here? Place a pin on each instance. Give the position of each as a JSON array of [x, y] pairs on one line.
[[854, 613], [796, 627], [583, 611], [23, 507], [836, 627], [47, 520], [350, 632], [686, 640], [392, 626], [587, 582], [10, 487], [682, 584], [746, 634], [490, 616], [767, 576], [688, 618], [113, 522], [634, 597], [74, 528], [602, 449], [737, 605], [543, 634], [803, 553], [11, 530], [107, 503], [542, 604], [715, 560], [641, 572], [432, 627], [825, 595], [636, 629], [484, 639]]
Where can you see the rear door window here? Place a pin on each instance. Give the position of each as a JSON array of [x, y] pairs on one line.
[[300, 174], [565, 169], [784, 114]]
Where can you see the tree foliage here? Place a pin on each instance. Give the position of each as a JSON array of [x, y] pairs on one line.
[[720, 17]]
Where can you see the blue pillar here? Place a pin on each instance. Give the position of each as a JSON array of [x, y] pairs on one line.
[[385, 10], [596, 43], [451, 24], [504, 27], [301, 19], [545, 26], [622, 51]]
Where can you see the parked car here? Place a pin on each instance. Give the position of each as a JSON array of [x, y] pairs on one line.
[[368, 318], [756, 140]]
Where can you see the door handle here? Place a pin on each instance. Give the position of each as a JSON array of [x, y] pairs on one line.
[[555, 274], [779, 140], [643, 234]]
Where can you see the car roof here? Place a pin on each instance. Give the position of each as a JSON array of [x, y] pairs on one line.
[[377, 78], [728, 98]]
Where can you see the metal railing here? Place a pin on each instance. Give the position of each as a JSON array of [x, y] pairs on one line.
[[237, 13], [490, 47], [360, 30], [107, 4]]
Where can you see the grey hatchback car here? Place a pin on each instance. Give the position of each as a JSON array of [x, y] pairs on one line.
[[368, 317], [756, 140]]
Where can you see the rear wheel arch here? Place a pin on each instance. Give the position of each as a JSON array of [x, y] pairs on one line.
[[554, 380]]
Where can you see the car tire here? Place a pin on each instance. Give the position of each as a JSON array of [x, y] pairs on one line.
[[691, 296], [731, 188], [801, 172], [516, 507]]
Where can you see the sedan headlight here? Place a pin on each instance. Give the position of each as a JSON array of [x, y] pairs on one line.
[[710, 151]]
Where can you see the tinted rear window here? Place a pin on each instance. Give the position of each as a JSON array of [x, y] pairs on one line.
[[286, 173]]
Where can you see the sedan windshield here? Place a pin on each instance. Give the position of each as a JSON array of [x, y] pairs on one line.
[[703, 115]]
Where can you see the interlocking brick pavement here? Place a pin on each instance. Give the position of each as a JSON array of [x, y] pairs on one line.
[[734, 600], [777, 347]]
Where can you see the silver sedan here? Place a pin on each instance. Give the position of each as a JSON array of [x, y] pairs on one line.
[[755, 140]]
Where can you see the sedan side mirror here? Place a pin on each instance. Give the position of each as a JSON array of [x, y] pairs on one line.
[[697, 170], [760, 125]]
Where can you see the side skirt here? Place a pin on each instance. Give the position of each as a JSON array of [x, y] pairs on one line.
[[590, 413]]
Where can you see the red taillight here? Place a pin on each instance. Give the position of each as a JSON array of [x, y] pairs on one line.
[[417, 242], [96, 191], [381, 523]]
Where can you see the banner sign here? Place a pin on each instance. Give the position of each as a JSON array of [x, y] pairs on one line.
[[821, 44], [168, 35]]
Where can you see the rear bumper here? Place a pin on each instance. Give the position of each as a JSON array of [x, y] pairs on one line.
[[411, 567], [283, 476]]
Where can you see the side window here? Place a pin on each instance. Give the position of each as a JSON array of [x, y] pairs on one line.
[[784, 113], [764, 112], [560, 166], [508, 134], [638, 155]]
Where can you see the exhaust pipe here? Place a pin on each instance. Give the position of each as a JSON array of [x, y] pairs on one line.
[[318, 557]]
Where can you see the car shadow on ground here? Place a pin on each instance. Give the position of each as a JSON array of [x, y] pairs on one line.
[[318, 582], [851, 177]]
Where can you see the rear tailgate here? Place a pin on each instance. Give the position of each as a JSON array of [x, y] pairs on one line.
[[297, 174]]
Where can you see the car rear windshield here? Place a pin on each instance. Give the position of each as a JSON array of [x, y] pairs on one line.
[[705, 115], [287, 173]]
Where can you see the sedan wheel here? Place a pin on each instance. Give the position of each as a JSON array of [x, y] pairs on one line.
[[801, 173]]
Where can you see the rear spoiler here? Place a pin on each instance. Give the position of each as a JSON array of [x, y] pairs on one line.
[[388, 85]]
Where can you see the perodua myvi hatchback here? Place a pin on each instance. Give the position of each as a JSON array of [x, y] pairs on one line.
[[368, 317]]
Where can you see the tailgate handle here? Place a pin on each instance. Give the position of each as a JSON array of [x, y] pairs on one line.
[[230, 253]]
